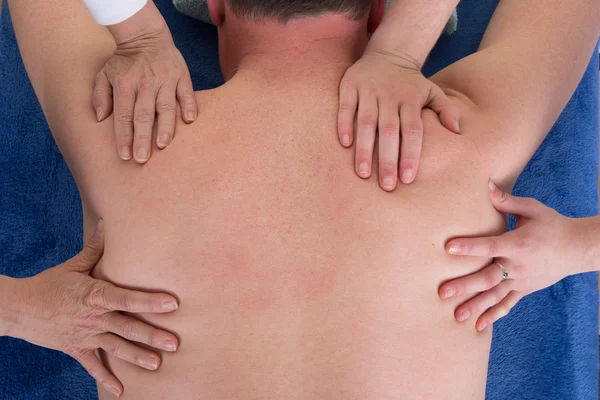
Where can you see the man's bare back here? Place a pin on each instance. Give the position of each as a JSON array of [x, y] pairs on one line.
[[287, 288]]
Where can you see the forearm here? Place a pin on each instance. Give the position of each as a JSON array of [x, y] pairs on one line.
[[11, 305], [410, 28]]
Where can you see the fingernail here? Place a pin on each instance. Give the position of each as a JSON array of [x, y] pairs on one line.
[[150, 363], [169, 305], [464, 315], [141, 155], [100, 227], [114, 390], [407, 176], [363, 169], [388, 183], [99, 113], [191, 116], [456, 124], [169, 345], [449, 293], [346, 140], [491, 185], [163, 140], [483, 326], [454, 249], [125, 153]]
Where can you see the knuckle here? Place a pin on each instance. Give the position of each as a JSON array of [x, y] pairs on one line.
[[347, 82], [497, 297], [347, 107], [389, 130], [144, 116], [124, 83], [166, 106], [367, 120], [127, 303], [363, 154], [96, 297], [187, 95], [114, 348], [502, 311], [70, 349], [95, 321], [147, 83], [128, 330], [124, 116], [488, 282], [412, 131], [388, 167]]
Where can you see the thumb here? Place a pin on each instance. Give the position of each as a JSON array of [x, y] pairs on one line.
[[449, 113], [509, 204], [91, 253], [102, 97]]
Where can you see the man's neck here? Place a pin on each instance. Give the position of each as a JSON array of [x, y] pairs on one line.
[[319, 48]]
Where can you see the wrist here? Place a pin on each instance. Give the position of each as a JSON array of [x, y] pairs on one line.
[[146, 23], [405, 56], [587, 231], [13, 297]]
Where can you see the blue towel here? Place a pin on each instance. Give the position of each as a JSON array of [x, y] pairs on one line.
[[545, 349]]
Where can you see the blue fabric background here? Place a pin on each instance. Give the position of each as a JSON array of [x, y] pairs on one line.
[[546, 349]]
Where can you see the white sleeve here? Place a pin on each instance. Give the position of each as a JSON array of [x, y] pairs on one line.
[[110, 12]]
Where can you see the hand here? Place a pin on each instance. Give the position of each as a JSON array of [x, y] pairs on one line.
[[66, 309], [149, 76], [544, 248], [389, 93]]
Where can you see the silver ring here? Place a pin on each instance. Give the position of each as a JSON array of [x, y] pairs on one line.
[[504, 273]]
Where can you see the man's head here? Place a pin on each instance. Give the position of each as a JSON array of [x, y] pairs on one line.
[[246, 24]]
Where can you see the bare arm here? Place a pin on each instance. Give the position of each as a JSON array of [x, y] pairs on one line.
[[411, 28], [513, 89]]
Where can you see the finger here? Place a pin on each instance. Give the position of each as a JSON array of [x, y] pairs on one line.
[[102, 97], [449, 113], [187, 99], [143, 120], [412, 141], [494, 246], [478, 304], [389, 142], [110, 297], [124, 107], [498, 311], [137, 331], [91, 253], [347, 112], [126, 351], [100, 373], [518, 206], [365, 137], [166, 107], [480, 281]]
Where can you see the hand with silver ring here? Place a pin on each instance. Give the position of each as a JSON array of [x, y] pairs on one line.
[[544, 248]]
